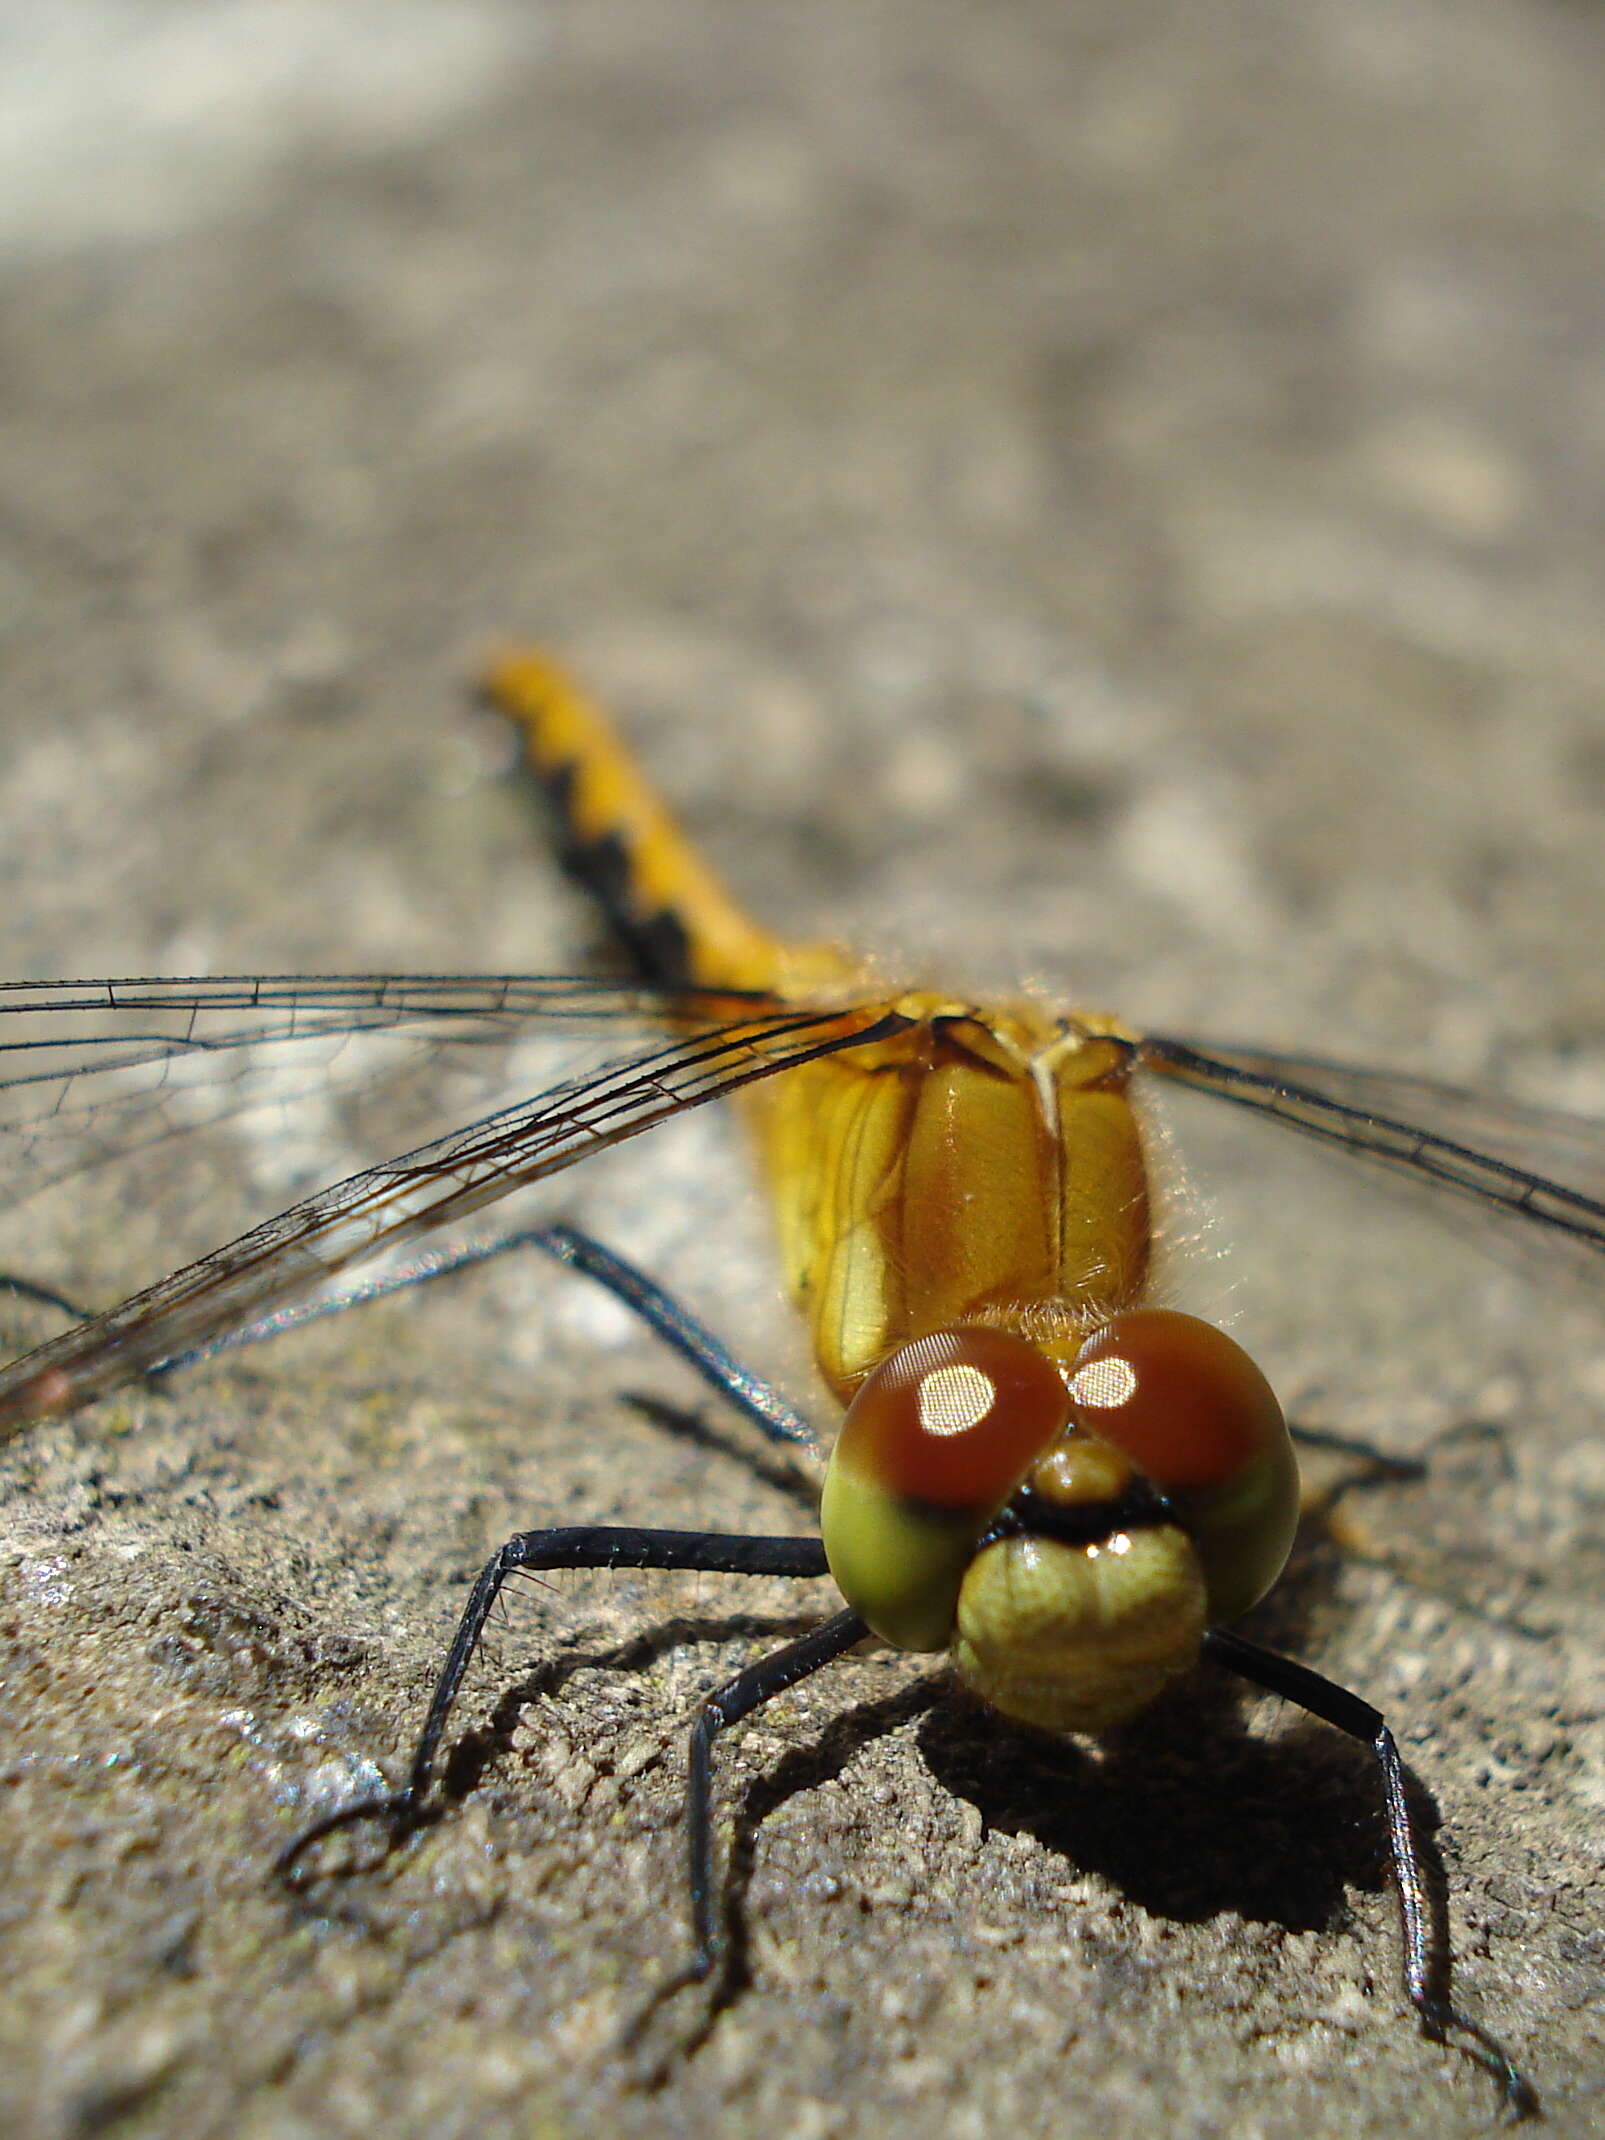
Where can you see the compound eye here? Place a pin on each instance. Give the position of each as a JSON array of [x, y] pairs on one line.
[[1194, 1413], [954, 1420], [1185, 1402], [932, 1446]]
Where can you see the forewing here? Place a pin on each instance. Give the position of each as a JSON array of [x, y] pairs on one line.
[[95, 1071], [433, 1185]]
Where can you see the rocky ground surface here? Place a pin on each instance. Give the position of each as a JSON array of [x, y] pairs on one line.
[[1107, 497]]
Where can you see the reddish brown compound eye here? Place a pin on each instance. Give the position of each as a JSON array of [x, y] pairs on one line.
[[932, 1446], [953, 1420], [1185, 1402], [1194, 1413]]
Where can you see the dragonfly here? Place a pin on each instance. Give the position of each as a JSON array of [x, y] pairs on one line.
[[1068, 1491]]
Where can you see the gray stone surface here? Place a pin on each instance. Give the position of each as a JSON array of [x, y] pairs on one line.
[[1109, 495]]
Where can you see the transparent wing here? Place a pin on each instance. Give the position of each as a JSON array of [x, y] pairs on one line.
[[93, 1071], [433, 1185], [1538, 1168]]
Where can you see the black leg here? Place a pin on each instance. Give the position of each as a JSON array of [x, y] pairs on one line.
[[1426, 1958], [1375, 1464], [45, 1296], [661, 1313], [748, 1691], [679, 1328], [566, 1546], [1380, 1466]]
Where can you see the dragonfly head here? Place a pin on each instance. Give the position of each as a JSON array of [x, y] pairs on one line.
[[1069, 1532]]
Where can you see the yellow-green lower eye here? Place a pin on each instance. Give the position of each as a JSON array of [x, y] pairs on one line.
[[932, 1446]]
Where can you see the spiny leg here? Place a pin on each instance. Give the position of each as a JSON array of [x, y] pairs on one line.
[[564, 1546], [1426, 1957], [748, 1691], [666, 1317]]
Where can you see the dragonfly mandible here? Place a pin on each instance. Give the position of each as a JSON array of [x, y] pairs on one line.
[[1069, 1491]]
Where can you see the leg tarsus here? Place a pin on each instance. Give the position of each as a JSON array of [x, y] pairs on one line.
[[1426, 1953], [562, 1546], [397, 1810]]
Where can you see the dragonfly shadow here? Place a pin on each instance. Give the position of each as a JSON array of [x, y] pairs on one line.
[[478, 1748], [781, 1470], [826, 1757], [464, 1763], [1182, 1811]]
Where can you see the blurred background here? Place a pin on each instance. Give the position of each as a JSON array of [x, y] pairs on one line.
[[1106, 496], [1065, 460]]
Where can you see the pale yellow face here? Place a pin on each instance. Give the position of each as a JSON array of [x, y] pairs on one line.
[[1080, 1638]]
